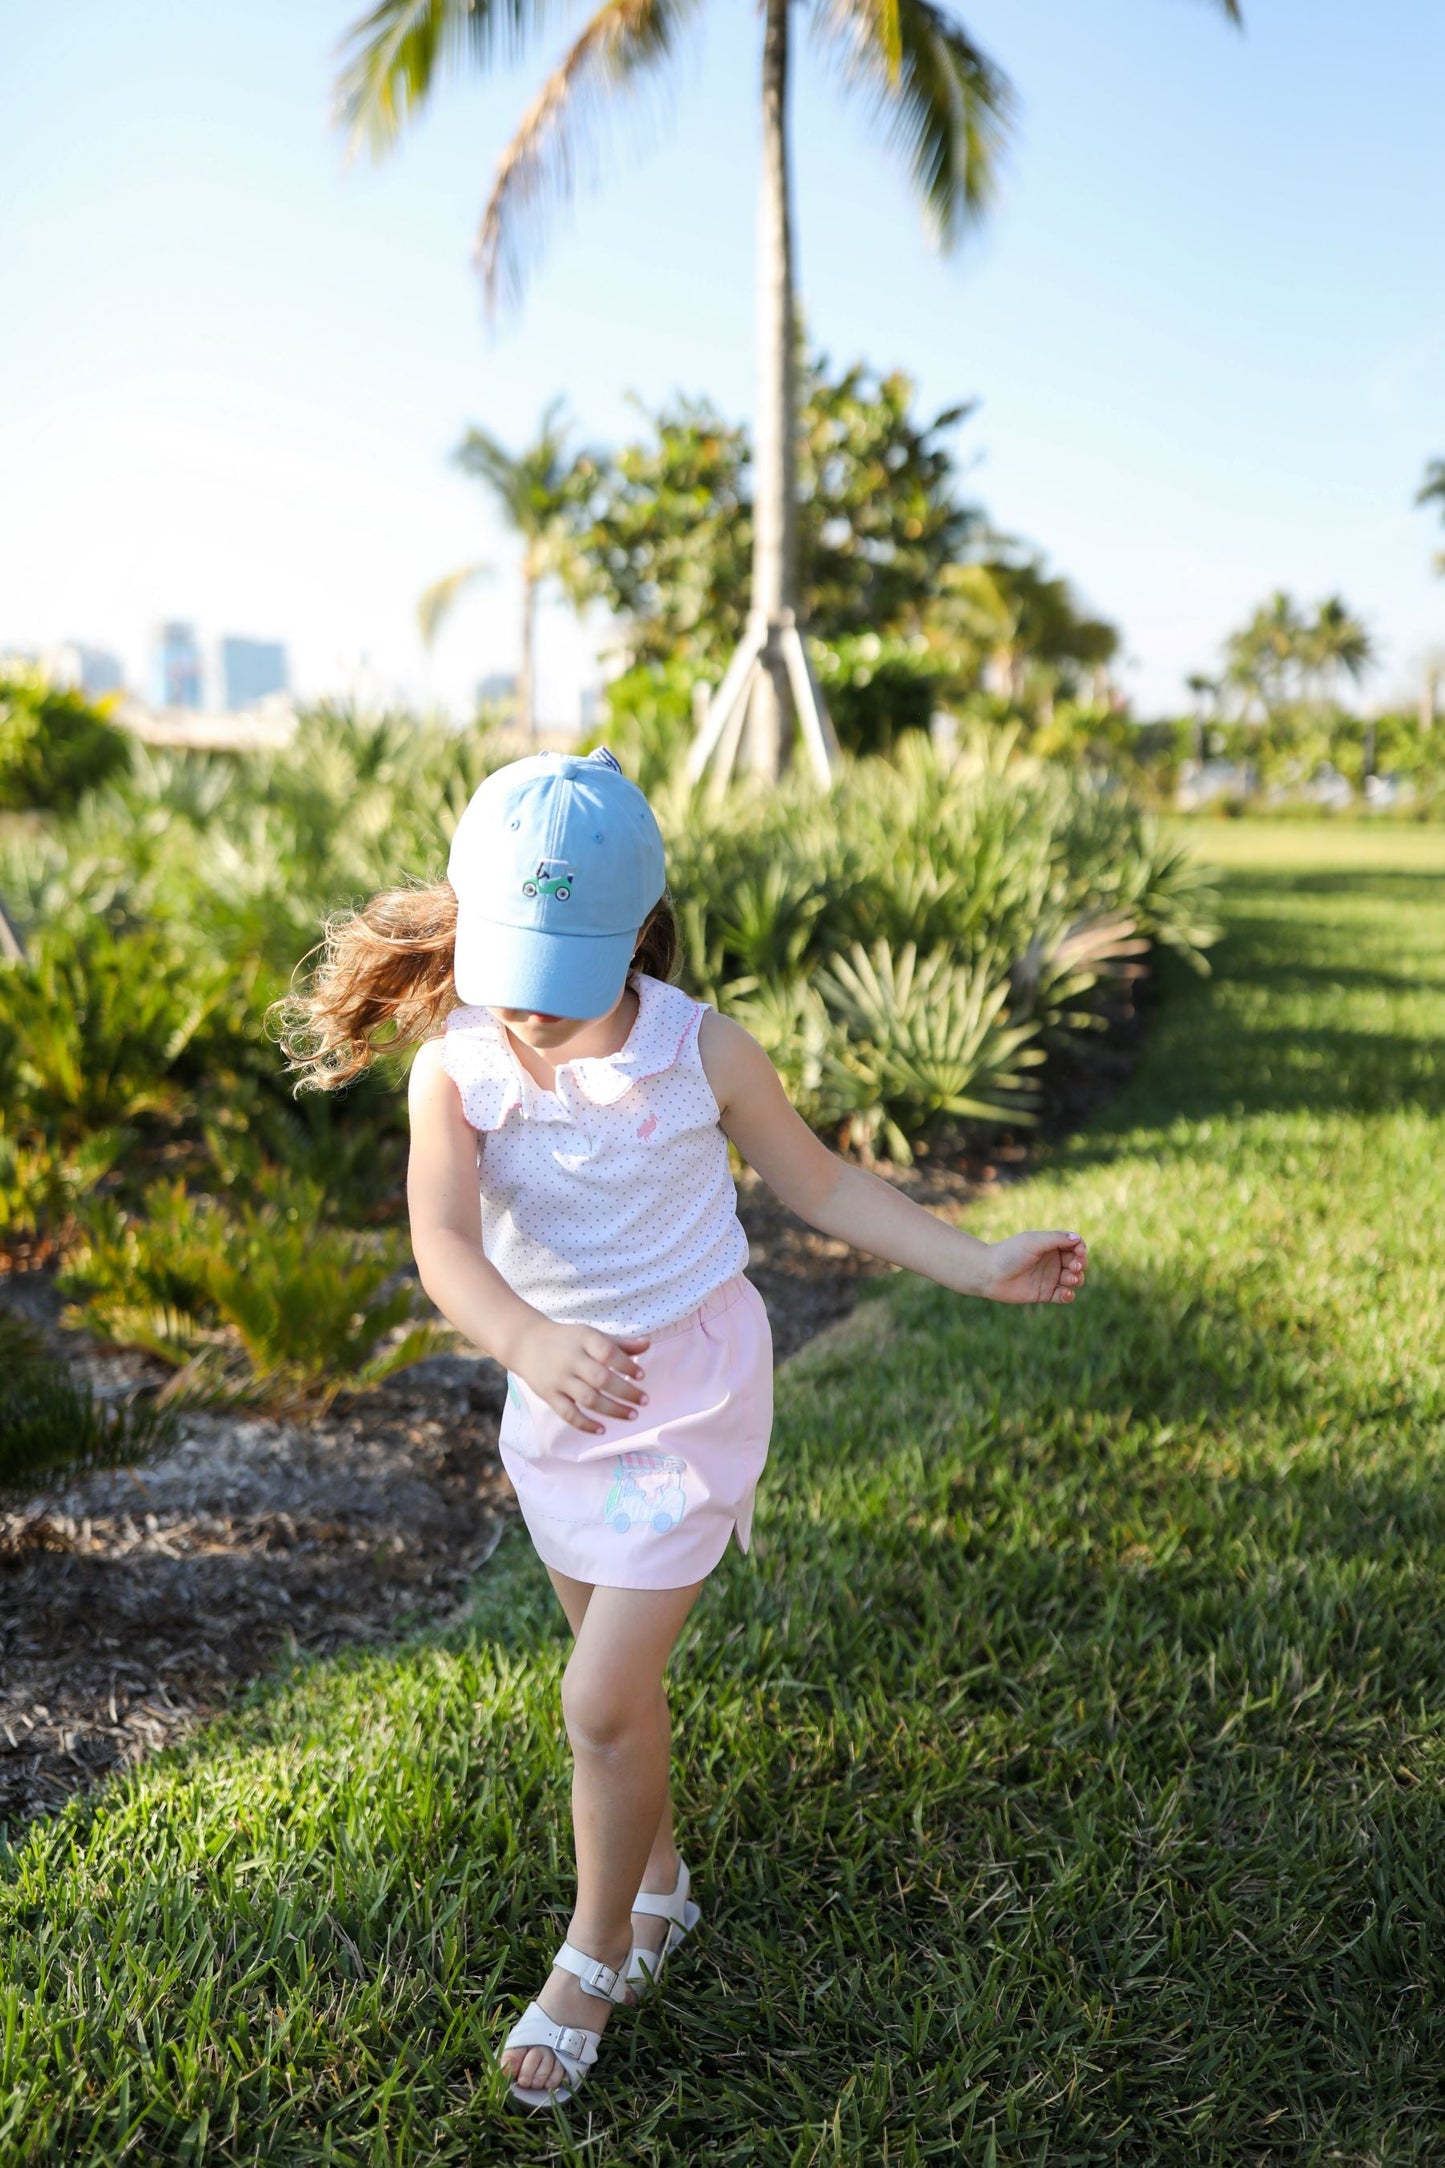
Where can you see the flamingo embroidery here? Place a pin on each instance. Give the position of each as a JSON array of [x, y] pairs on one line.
[[645, 1129]]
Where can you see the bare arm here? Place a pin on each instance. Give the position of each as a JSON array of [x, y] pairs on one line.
[[860, 1208], [571, 1367]]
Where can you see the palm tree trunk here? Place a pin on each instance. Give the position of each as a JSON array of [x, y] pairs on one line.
[[526, 716], [775, 456]]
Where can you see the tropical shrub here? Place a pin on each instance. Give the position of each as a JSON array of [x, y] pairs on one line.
[[54, 745], [1287, 751], [50, 1420], [259, 1302], [909, 947], [95, 1026], [912, 949], [877, 686], [648, 720], [923, 1042], [906, 593]]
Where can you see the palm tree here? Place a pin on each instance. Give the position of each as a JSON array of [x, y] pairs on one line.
[[1028, 626], [943, 105], [1260, 657], [1336, 642], [533, 489], [1432, 491]]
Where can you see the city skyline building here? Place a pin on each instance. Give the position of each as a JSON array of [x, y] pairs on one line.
[[250, 670], [496, 685], [175, 674], [95, 670], [72, 664]]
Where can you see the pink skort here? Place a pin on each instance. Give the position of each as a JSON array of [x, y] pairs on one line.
[[651, 1503]]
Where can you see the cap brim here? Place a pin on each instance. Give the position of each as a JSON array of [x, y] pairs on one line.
[[547, 974]]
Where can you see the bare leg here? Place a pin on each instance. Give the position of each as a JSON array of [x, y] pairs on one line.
[[660, 1873], [610, 1698]]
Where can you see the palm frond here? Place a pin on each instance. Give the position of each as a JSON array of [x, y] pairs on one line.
[[486, 459], [946, 107], [390, 58], [527, 483], [623, 43], [438, 599]]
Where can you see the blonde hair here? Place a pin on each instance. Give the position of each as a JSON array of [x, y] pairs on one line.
[[384, 982]]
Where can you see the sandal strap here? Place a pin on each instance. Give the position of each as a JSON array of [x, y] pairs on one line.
[[607, 1982], [667, 1905], [575, 2044]]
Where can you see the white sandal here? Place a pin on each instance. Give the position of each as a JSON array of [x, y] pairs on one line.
[[644, 1966], [575, 2046]]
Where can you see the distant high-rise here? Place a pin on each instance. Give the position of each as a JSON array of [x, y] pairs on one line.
[[175, 667], [500, 685], [90, 670], [250, 669], [100, 670]]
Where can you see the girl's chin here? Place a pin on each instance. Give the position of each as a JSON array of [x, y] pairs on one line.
[[528, 1019]]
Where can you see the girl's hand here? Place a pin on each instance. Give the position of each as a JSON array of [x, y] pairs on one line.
[[1035, 1268], [580, 1372]]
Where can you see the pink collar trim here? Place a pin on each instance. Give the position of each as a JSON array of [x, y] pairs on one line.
[[477, 1055]]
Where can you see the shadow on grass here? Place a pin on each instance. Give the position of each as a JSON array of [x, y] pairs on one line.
[[1132, 1730], [1394, 884], [1276, 1044]]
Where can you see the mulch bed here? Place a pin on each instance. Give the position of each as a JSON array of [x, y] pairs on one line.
[[134, 1602]]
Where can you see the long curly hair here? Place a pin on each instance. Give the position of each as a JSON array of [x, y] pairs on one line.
[[384, 982]]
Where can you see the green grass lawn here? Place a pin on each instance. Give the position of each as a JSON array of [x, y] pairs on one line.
[[1061, 1779]]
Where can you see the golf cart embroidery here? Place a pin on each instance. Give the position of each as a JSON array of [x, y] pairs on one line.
[[557, 883], [647, 1487]]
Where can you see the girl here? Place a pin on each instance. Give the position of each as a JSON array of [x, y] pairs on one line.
[[573, 1213]]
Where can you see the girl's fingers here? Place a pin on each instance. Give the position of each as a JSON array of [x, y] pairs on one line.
[[571, 1414], [609, 1356], [607, 1352], [606, 1400], [607, 1382]]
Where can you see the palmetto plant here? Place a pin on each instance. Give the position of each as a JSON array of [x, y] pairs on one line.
[[165, 914], [926, 1040], [50, 1419], [93, 1030], [264, 1303], [767, 920], [1053, 980], [788, 1018], [941, 104]]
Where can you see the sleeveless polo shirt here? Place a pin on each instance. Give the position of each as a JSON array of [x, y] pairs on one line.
[[609, 1201]]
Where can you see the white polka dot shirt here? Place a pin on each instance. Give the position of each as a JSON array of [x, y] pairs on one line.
[[609, 1202]]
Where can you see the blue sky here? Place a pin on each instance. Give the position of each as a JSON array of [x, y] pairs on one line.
[[1205, 325]]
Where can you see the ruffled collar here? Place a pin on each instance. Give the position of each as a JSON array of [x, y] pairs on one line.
[[479, 1056]]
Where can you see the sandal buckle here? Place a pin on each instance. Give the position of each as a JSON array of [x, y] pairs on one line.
[[600, 1979]]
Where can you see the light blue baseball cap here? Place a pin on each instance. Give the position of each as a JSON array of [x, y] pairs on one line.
[[556, 863]]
